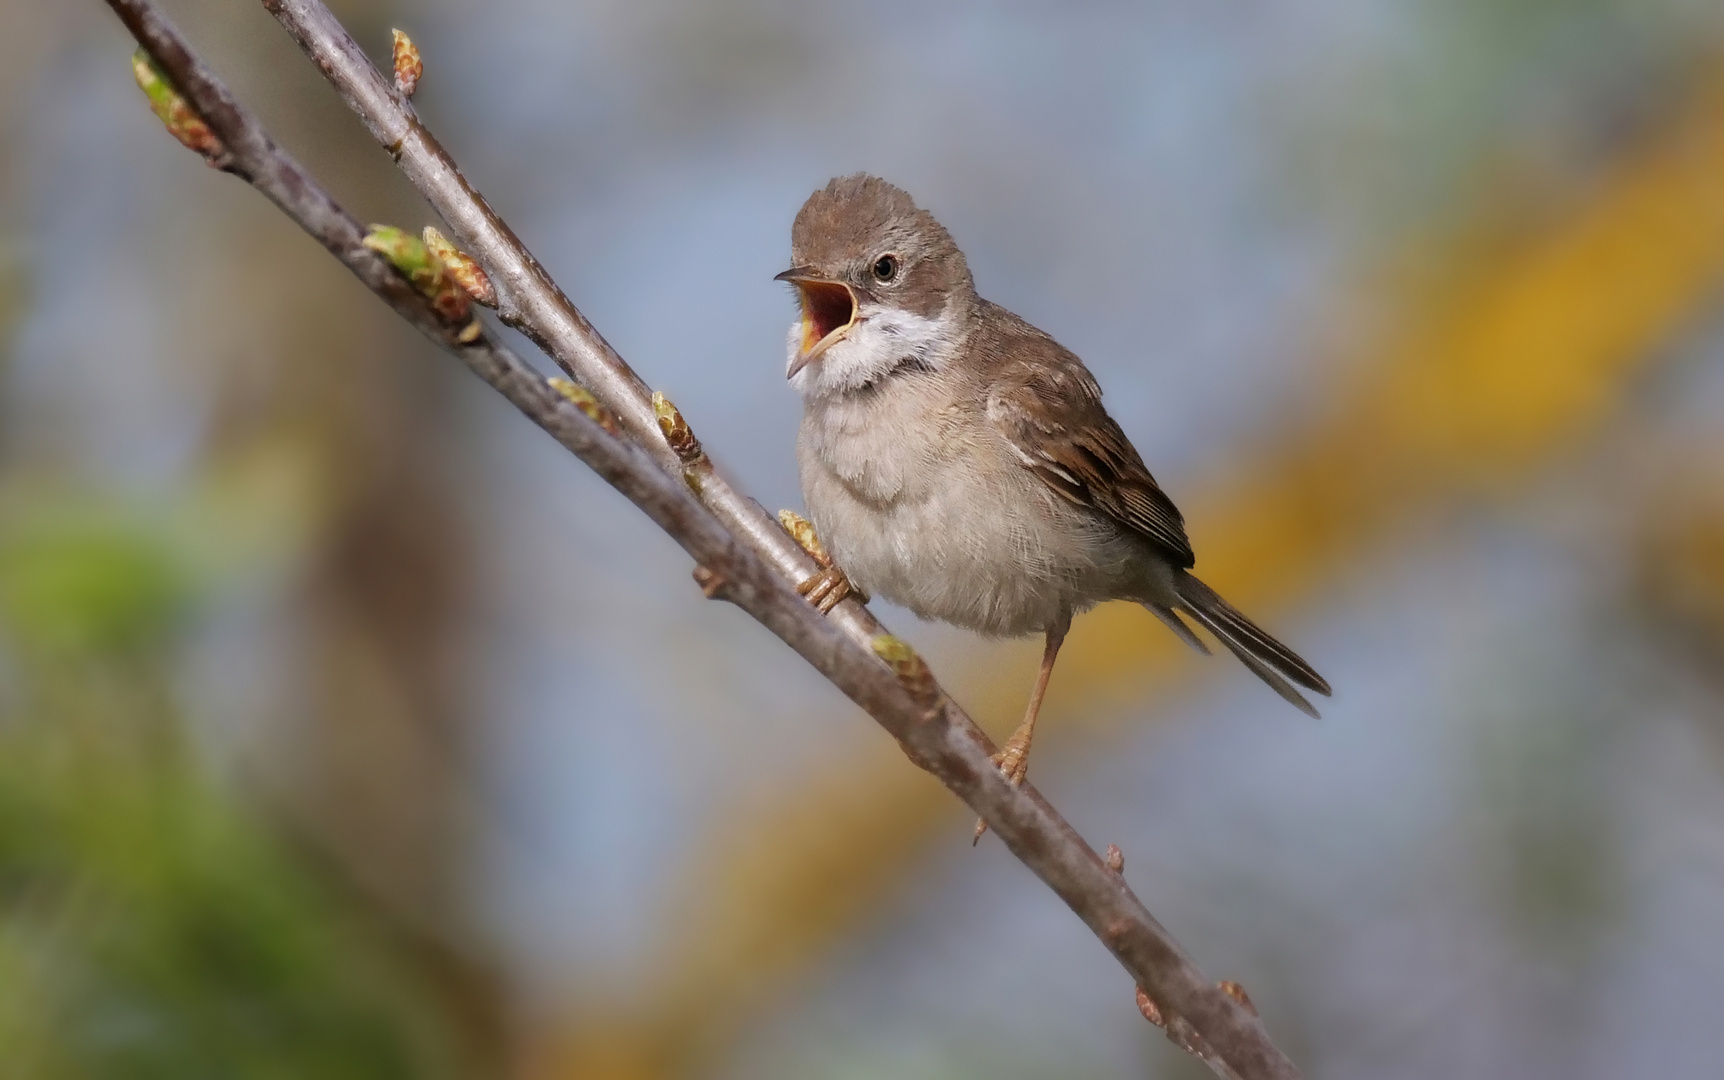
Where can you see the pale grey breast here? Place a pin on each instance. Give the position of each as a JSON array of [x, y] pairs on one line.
[[925, 504]]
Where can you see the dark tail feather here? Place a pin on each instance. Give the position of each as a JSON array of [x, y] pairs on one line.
[[1177, 625], [1268, 659]]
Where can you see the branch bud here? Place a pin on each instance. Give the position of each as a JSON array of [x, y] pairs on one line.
[[1114, 860], [802, 531], [461, 267], [175, 112], [1183, 1035], [408, 66], [676, 431], [409, 254], [1237, 993], [1150, 1010], [582, 399], [911, 670]]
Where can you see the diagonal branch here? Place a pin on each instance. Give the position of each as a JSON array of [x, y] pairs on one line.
[[528, 300], [740, 554]]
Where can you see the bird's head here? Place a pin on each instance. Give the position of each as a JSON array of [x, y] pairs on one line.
[[881, 284]]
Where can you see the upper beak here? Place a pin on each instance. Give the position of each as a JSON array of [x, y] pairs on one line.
[[828, 312]]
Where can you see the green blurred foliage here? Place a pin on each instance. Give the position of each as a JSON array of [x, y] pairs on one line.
[[1547, 827], [150, 925], [1470, 103], [74, 583]]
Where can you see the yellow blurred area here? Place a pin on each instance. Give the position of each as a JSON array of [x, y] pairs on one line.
[[1501, 354], [1680, 567]]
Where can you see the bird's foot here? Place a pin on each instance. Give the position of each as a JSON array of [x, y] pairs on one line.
[[1013, 761], [828, 587]]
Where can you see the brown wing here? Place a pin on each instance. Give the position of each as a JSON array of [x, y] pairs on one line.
[[1048, 406]]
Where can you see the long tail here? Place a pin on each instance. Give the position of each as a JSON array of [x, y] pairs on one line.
[[1270, 660]]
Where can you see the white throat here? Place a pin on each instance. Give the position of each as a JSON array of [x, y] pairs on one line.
[[881, 339]]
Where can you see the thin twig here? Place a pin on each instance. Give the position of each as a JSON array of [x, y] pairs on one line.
[[528, 300], [900, 694]]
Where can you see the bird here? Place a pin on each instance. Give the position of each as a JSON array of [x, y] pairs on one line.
[[958, 461]]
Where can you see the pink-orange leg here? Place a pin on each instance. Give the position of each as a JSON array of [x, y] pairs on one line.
[[1013, 759]]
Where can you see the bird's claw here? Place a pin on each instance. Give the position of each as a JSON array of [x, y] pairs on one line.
[[827, 588], [1013, 761]]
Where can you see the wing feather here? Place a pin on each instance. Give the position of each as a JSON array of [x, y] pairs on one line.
[[1048, 407]]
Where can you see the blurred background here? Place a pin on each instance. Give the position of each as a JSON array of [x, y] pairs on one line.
[[349, 728]]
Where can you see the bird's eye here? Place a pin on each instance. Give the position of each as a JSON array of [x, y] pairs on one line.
[[886, 267]]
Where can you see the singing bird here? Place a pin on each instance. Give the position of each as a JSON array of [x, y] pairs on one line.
[[958, 461]]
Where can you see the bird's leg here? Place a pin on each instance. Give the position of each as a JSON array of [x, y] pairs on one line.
[[827, 587], [1013, 759]]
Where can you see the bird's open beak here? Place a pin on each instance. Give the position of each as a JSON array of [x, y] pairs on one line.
[[828, 312]]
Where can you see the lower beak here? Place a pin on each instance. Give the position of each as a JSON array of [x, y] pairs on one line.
[[828, 313]]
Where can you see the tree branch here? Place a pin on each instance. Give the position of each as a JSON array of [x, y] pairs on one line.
[[741, 555], [528, 300]]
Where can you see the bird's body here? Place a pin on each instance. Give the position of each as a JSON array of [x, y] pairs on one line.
[[923, 498], [958, 461]]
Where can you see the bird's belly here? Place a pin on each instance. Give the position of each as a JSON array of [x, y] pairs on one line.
[[963, 551]]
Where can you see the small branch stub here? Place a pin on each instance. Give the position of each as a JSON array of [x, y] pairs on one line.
[[461, 267], [582, 399], [408, 66], [712, 582], [175, 114]]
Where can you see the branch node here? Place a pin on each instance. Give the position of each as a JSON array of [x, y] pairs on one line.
[[461, 267], [677, 433], [1181, 1034], [408, 66], [1150, 1010], [713, 583], [176, 114], [581, 398]]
